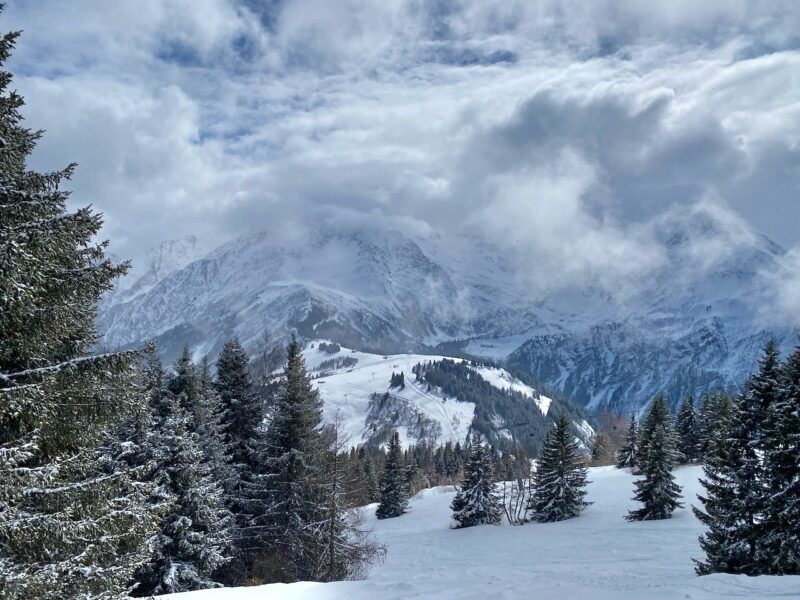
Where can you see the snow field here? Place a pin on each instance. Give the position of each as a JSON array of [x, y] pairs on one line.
[[596, 556]]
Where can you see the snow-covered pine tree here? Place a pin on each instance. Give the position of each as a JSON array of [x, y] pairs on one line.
[[715, 409], [183, 383], [477, 502], [732, 482], [657, 491], [207, 419], [686, 426], [65, 531], [195, 540], [780, 548], [559, 483], [293, 463], [394, 488], [626, 457], [244, 441]]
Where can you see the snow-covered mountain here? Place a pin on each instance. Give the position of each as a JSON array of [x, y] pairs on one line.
[[688, 325]]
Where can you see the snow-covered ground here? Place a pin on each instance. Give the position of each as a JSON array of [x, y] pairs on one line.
[[596, 556], [348, 390]]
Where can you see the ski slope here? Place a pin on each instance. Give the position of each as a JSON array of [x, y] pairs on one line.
[[596, 556], [348, 390]]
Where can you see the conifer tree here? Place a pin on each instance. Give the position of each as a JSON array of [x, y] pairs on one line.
[[732, 475], [67, 530], [657, 491], [477, 502], [394, 488], [780, 547], [345, 549], [207, 418], [740, 533], [195, 540], [184, 385], [687, 431], [626, 457], [559, 484], [293, 462], [715, 410], [372, 488]]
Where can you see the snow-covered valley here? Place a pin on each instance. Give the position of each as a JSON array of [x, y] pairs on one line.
[[596, 556]]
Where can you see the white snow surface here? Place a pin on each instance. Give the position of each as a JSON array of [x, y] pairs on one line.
[[596, 556]]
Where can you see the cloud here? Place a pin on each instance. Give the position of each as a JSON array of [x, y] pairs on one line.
[[567, 133]]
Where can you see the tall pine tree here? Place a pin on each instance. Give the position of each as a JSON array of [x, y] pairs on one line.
[[737, 495], [780, 548], [559, 483], [626, 457], [293, 462], [67, 529], [477, 502], [195, 540], [394, 487], [657, 491], [687, 431]]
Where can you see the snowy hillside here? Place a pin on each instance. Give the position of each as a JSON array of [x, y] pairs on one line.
[[598, 556], [355, 384]]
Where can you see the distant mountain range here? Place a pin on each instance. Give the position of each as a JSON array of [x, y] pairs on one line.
[[690, 326]]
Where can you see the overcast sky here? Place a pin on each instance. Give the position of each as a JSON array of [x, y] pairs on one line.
[[572, 126]]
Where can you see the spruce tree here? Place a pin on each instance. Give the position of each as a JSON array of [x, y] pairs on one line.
[[394, 488], [293, 462], [687, 431], [559, 483], [195, 540], [243, 435], [657, 491], [477, 502], [372, 488], [715, 410], [626, 457], [67, 529], [732, 480], [780, 547]]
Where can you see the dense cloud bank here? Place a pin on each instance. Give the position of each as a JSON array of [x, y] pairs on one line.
[[571, 134]]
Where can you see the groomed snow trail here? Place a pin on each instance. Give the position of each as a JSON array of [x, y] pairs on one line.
[[596, 556]]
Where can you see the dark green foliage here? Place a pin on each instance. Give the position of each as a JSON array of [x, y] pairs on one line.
[[394, 486], [657, 491], [559, 483], [744, 523], [477, 502], [57, 402], [196, 534], [294, 473], [779, 550], [626, 457], [686, 426], [715, 410], [397, 380]]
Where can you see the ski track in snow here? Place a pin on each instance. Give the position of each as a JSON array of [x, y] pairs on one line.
[[595, 556]]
